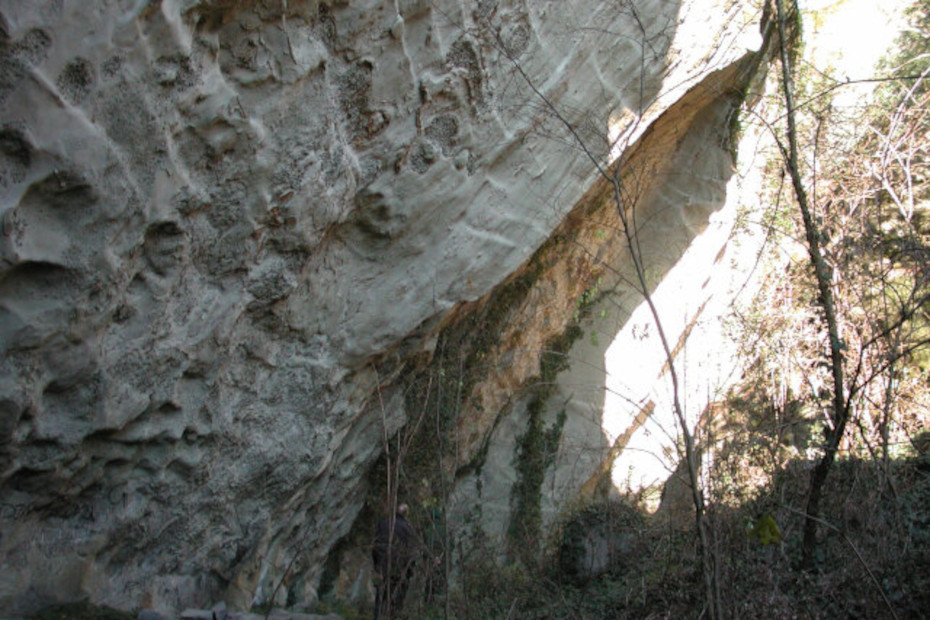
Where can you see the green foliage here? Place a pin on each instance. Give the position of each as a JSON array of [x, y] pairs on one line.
[[537, 448], [555, 357], [586, 301], [764, 530]]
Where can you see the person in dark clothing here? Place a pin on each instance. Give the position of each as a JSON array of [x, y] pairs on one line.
[[394, 554]]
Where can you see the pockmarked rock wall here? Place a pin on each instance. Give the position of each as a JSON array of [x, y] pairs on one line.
[[229, 229]]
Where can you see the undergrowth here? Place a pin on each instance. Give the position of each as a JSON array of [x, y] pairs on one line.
[[873, 561]]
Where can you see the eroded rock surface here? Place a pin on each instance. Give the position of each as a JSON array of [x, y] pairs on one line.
[[226, 228]]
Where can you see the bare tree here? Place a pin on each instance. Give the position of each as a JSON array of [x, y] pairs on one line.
[[859, 351]]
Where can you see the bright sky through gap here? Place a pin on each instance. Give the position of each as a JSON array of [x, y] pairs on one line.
[[849, 34], [847, 37]]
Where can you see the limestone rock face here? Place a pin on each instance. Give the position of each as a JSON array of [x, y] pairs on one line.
[[227, 227]]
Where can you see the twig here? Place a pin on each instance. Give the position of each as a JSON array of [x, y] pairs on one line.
[[512, 605]]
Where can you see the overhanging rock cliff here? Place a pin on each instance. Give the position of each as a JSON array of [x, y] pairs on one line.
[[239, 236]]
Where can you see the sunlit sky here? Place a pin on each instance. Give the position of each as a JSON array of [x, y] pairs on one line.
[[849, 34], [845, 37]]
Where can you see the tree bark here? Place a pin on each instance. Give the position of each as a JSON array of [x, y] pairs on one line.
[[823, 277]]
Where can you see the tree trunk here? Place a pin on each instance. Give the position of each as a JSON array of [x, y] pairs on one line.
[[823, 276]]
